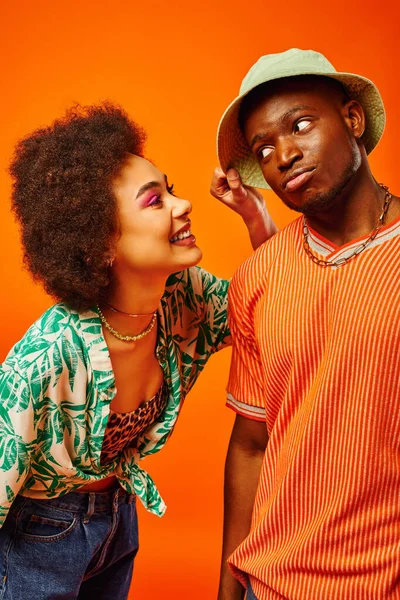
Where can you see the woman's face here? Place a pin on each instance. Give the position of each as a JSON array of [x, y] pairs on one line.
[[155, 229]]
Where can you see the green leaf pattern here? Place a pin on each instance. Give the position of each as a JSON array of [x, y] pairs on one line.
[[57, 383]]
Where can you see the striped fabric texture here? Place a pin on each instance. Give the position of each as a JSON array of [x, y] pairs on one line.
[[316, 356]]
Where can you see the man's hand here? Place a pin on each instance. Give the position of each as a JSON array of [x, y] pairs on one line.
[[247, 201]]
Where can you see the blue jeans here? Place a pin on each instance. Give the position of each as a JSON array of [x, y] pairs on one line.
[[250, 594], [78, 546]]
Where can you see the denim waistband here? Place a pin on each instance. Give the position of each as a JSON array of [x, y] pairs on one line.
[[79, 501]]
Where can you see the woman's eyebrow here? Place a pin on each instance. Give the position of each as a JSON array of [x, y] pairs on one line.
[[147, 186]]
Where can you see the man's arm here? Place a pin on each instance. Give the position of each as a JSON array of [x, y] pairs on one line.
[[248, 202], [242, 470]]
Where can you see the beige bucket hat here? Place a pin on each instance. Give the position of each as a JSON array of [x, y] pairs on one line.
[[232, 148]]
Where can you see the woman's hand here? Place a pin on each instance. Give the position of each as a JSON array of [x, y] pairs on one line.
[[247, 201]]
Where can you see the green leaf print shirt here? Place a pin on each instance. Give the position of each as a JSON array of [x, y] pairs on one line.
[[57, 383]]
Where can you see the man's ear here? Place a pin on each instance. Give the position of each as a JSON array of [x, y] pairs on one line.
[[354, 117]]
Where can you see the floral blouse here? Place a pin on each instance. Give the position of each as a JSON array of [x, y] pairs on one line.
[[57, 383]]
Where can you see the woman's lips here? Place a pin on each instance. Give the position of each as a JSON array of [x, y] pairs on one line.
[[189, 241], [297, 182]]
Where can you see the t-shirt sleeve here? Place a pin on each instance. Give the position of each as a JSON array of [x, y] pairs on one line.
[[245, 393], [16, 433]]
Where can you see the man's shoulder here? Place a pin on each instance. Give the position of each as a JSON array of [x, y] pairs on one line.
[[286, 236], [259, 263]]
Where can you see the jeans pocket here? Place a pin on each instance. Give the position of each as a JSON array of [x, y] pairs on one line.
[[37, 524]]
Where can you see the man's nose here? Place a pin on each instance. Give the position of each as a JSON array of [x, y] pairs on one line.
[[287, 152]]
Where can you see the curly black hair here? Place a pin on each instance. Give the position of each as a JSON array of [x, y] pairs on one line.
[[63, 200]]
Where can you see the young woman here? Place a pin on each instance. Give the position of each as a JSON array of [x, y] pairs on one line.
[[98, 381]]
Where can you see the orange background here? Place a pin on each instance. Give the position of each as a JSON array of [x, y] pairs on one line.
[[175, 66]]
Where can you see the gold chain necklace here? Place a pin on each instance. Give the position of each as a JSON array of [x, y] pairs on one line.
[[341, 261], [128, 338], [133, 315]]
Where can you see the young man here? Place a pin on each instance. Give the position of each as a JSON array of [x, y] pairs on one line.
[[312, 481]]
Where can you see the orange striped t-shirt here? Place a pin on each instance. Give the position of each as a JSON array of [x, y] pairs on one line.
[[316, 355]]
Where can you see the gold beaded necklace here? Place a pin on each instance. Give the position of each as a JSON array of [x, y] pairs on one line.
[[341, 261], [127, 338]]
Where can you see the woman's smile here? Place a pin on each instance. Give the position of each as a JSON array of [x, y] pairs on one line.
[[184, 236]]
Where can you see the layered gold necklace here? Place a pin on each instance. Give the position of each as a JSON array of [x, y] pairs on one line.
[[341, 261], [128, 338]]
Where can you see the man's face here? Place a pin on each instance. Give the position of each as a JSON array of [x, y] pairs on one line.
[[303, 137]]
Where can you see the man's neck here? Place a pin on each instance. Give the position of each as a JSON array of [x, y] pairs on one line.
[[356, 212]]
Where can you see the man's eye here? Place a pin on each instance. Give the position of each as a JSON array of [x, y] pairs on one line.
[[170, 189], [265, 152], [301, 125]]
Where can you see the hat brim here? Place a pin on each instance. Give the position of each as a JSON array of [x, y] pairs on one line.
[[232, 147]]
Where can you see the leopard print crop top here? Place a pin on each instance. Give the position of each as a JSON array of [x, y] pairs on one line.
[[123, 429]]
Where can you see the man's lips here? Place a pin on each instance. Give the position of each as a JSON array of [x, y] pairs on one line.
[[297, 179]]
